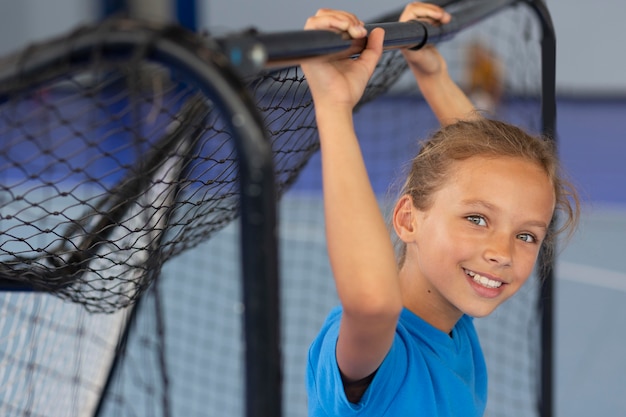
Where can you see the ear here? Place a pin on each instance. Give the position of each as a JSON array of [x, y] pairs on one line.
[[404, 218]]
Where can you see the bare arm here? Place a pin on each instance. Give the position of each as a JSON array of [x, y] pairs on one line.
[[447, 101], [360, 249]]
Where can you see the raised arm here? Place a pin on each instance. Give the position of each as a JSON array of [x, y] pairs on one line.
[[360, 249], [446, 99]]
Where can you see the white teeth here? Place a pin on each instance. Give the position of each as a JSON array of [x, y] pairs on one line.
[[484, 281]]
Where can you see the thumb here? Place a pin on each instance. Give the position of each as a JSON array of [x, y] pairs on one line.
[[374, 48]]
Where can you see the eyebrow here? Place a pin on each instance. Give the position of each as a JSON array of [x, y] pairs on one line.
[[538, 224], [486, 205], [479, 203]]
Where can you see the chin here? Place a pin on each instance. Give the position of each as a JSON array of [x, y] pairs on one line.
[[480, 311]]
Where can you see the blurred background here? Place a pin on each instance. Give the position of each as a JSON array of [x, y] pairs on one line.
[[590, 58], [591, 122]]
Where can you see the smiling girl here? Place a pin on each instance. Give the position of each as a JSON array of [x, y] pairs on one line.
[[476, 208]]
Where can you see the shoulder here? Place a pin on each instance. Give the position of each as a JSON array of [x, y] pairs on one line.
[[325, 341], [331, 322]]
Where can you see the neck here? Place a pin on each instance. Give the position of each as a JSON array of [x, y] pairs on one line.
[[425, 301]]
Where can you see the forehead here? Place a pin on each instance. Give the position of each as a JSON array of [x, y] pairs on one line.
[[514, 168], [503, 181]]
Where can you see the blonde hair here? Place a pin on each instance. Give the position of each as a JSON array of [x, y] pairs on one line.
[[485, 137]]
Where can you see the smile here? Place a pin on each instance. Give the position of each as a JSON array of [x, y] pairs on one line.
[[484, 281]]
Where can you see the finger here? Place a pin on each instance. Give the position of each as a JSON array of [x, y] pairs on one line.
[[419, 10], [329, 19]]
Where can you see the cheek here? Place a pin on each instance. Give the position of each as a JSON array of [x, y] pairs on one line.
[[431, 237], [526, 265], [444, 244]]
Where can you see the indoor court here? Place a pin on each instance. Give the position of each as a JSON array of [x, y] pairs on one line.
[[126, 171]]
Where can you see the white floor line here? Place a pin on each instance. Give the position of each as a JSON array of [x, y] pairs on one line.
[[591, 275]]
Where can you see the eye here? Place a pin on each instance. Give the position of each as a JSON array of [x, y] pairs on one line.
[[477, 220], [527, 237]]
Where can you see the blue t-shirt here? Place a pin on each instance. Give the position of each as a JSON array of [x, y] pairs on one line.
[[426, 373]]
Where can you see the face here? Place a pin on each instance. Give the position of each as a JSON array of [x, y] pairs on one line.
[[477, 244]]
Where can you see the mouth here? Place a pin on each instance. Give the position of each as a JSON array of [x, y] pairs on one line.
[[484, 281]]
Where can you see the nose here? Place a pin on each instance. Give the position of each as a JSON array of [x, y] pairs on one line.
[[499, 249]]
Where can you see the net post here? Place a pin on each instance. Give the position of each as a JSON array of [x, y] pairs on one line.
[[546, 302], [258, 234], [259, 253]]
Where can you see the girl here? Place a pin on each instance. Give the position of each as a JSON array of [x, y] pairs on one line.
[[476, 208]]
